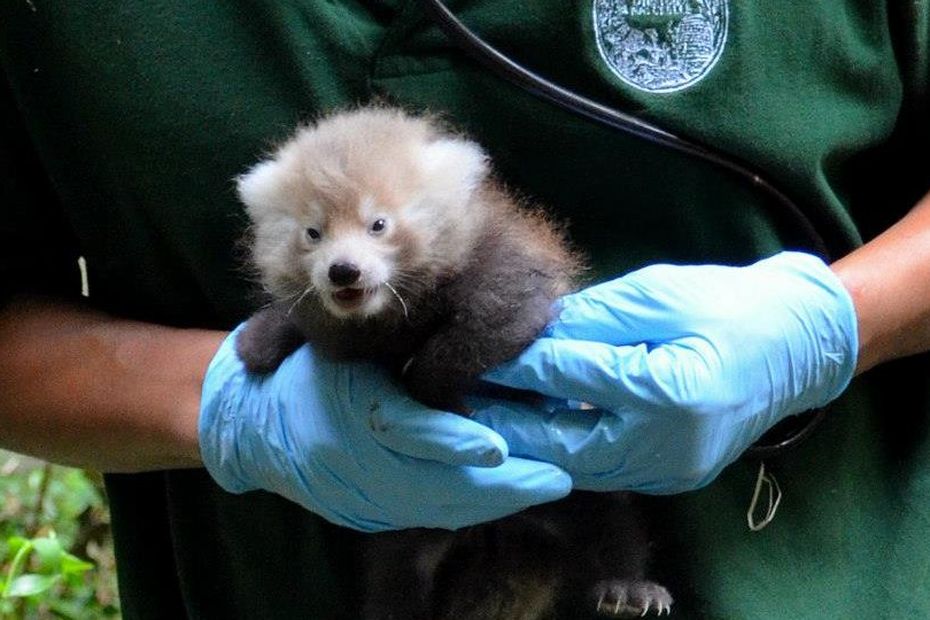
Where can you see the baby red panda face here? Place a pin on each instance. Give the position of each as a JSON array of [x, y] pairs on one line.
[[350, 256], [363, 210]]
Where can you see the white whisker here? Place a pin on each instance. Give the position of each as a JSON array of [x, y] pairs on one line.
[[300, 298], [399, 298]]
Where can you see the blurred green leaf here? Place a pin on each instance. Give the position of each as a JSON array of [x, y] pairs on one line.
[[49, 553], [63, 510], [30, 584], [15, 543], [68, 609], [71, 564]]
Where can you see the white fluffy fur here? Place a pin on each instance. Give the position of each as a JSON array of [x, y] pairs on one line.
[[343, 173]]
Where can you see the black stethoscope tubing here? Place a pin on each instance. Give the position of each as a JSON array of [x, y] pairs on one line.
[[508, 69]]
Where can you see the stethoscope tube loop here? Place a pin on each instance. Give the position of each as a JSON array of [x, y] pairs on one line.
[[508, 69]]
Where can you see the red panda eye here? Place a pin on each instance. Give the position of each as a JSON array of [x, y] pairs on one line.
[[313, 234], [379, 226]]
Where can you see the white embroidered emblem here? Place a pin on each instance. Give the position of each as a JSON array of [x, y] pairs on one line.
[[660, 46]]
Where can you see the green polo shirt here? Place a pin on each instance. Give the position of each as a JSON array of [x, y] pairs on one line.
[[124, 123]]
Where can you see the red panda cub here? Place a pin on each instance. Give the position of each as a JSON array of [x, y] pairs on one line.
[[381, 236]]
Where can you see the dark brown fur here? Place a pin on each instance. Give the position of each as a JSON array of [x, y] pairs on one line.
[[585, 553]]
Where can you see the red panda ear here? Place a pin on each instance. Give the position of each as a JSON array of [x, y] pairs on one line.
[[259, 188], [455, 163]]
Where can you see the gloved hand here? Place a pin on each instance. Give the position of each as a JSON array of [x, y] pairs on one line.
[[687, 365], [343, 441]]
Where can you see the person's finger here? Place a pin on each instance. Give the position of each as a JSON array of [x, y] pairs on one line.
[[382, 411], [625, 311], [410, 428], [625, 377], [463, 496], [581, 441], [601, 450]]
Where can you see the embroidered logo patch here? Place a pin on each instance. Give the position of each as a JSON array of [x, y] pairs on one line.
[[661, 46]]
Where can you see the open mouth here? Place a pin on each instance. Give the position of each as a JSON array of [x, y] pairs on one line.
[[349, 298]]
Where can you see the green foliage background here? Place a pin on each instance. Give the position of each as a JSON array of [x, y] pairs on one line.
[[55, 521]]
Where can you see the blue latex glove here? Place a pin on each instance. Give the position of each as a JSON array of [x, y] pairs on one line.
[[687, 365], [343, 441]]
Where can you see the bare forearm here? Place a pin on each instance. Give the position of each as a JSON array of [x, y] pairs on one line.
[[889, 281], [81, 388]]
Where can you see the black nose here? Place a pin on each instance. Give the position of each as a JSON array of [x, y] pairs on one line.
[[343, 274]]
